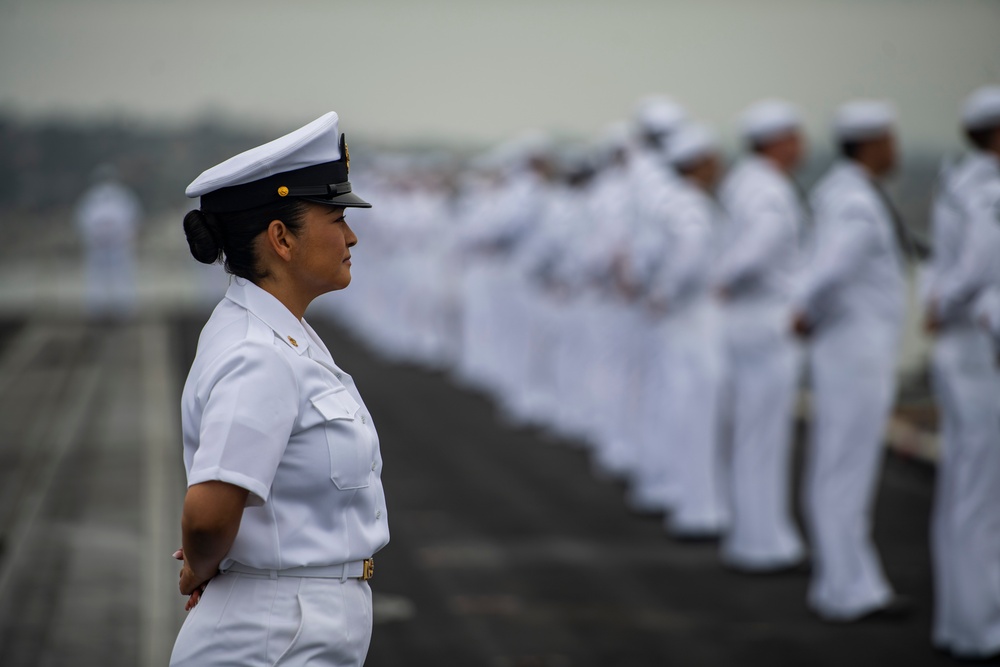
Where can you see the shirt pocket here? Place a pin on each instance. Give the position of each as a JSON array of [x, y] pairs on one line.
[[347, 440]]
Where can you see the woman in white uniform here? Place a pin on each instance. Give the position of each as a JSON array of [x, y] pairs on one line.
[[284, 507]]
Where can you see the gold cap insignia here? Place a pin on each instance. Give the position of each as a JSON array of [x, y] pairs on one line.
[[282, 191], [293, 341], [347, 157]]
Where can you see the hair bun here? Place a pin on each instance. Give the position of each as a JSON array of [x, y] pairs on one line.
[[204, 236]]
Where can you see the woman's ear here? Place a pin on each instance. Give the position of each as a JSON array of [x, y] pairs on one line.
[[280, 239]]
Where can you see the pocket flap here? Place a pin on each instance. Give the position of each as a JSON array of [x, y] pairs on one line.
[[336, 404]]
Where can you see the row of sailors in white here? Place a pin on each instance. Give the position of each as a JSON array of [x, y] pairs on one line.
[[412, 235], [635, 311]]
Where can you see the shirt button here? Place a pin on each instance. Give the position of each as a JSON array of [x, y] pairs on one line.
[[378, 514], [364, 420], [373, 465]]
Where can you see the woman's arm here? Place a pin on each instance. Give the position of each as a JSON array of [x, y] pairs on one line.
[[209, 523]]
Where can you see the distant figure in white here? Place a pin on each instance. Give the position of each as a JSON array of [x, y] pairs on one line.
[[107, 219]]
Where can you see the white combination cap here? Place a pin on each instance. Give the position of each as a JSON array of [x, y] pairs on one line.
[[769, 119], [982, 109], [861, 120], [691, 143], [311, 163], [659, 114]]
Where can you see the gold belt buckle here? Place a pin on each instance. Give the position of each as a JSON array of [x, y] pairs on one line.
[[369, 569]]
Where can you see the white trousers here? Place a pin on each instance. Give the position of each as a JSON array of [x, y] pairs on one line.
[[524, 379], [536, 400], [480, 334], [618, 454], [256, 621], [965, 528], [763, 369], [512, 329], [654, 482], [693, 375], [602, 327], [573, 367], [854, 380]]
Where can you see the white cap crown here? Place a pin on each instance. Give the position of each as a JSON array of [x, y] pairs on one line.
[[982, 109], [769, 119], [659, 114], [692, 142], [860, 120], [314, 143]]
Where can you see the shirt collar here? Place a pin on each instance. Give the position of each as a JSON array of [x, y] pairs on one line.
[[764, 164], [319, 348], [857, 172], [265, 307]]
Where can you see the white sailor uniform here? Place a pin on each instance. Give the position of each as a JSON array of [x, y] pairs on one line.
[[653, 484], [607, 251], [854, 292], [693, 361], [756, 270], [965, 537], [266, 408]]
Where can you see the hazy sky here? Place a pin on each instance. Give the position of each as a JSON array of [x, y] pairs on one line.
[[483, 70]]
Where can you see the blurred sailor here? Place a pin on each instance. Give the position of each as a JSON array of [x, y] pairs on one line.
[[851, 305], [568, 280], [483, 254], [498, 237], [604, 257], [690, 338], [966, 520], [653, 487], [754, 281], [107, 219], [525, 210], [543, 303]]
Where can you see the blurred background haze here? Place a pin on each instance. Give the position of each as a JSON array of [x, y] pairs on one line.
[[479, 71]]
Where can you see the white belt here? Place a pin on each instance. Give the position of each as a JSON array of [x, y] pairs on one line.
[[359, 569]]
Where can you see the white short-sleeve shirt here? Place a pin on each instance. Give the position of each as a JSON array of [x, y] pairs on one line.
[[266, 408]]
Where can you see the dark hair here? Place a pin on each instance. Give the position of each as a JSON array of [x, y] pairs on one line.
[[214, 236], [851, 149], [685, 169], [760, 144], [654, 139], [982, 139]]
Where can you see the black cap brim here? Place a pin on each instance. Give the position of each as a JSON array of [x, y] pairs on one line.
[[347, 200]]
